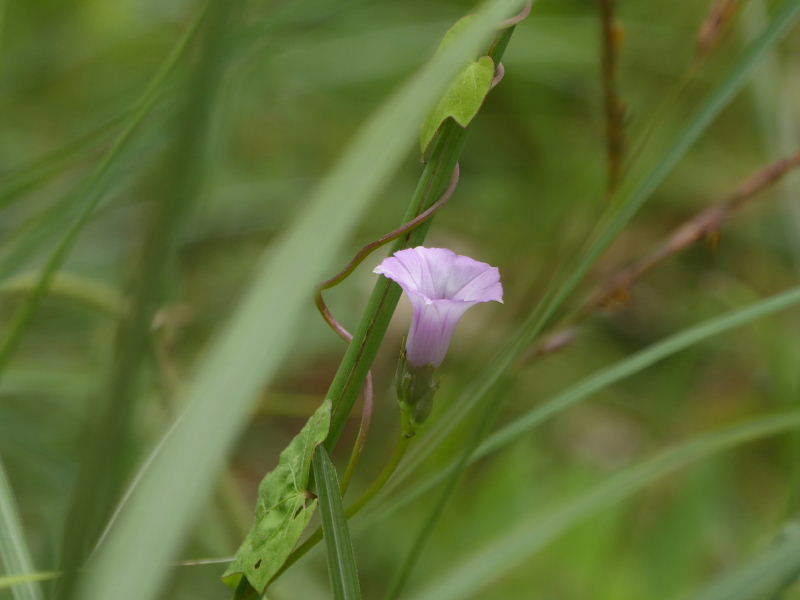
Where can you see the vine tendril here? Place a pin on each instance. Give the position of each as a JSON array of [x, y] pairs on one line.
[[342, 332], [519, 17]]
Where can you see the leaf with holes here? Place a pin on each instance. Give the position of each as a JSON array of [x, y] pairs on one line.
[[283, 510], [464, 97]]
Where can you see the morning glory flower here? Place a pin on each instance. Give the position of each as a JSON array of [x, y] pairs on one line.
[[441, 286]]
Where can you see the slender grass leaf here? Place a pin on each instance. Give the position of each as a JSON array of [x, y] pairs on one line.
[[283, 510], [13, 548], [13, 581], [87, 199], [249, 350], [24, 179], [77, 288], [517, 545], [104, 468], [766, 573], [341, 558]]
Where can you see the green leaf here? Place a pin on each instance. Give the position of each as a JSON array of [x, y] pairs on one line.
[[766, 573], [515, 546], [29, 177], [462, 100], [341, 559], [464, 97], [77, 288], [283, 510], [455, 32]]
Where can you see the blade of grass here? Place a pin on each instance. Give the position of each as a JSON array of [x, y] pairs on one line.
[[341, 559], [11, 581], [131, 565], [13, 548], [512, 548], [593, 384], [83, 290], [634, 192], [27, 178], [88, 198], [765, 573]]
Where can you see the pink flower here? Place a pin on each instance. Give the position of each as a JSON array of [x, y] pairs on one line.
[[441, 285]]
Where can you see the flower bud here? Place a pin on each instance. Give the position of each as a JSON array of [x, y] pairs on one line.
[[416, 388]]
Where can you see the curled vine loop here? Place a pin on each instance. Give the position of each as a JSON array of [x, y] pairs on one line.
[[371, 247], [342, 332], [499, 73], [519, 17]]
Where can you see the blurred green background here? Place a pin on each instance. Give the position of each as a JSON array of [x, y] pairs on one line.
[[303, 75]]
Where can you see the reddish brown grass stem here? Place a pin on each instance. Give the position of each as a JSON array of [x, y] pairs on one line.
[[715, 25], [611, 36], [705, 224]]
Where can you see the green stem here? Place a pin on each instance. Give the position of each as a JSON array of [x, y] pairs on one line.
[[423, 535], [401, 577], [92, 192], [16, 557], [371, 330], [349, 378], [388, 470]]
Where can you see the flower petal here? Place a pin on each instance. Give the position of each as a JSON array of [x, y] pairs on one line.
[[474, 281], [432, 329], [441, 285], [439, 273]]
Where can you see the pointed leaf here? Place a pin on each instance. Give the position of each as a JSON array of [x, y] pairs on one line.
[[463, 98], [283, 510], [341, 558]]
